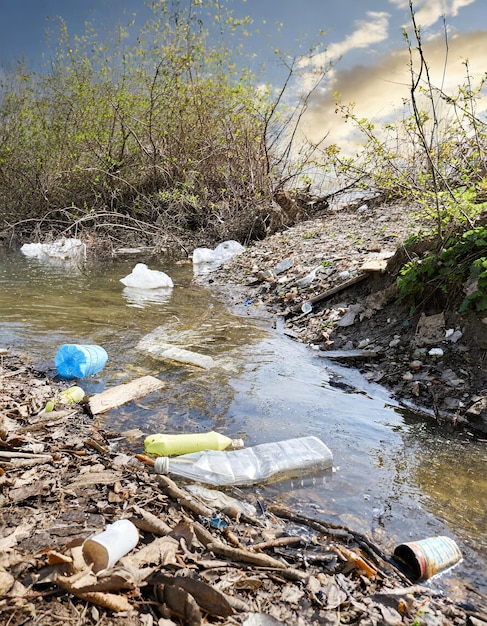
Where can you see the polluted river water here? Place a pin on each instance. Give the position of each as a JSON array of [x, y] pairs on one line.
[[396, 477]]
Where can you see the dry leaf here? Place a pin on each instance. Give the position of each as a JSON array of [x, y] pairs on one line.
[[6, 582], [56, 558], [161, 551], [180, 603], [150, 522], [208, 598], [357, 561], [119, 578], [110, 601], [40, 488], [185, 531], [19, 533]]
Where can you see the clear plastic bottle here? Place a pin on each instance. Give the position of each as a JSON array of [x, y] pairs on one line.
[[279, 460]]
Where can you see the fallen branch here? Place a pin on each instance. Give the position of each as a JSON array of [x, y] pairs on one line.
[[183, 497], [342, 532], [261, 560], [278, 542], [328, 293]]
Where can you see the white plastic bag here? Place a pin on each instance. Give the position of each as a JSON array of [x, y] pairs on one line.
[[144, 278], [60, 250], [206, 260]]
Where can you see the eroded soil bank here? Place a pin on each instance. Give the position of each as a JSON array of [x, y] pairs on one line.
[[332, 282]]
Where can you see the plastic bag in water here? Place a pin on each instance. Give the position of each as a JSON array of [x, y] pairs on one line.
[[65, 250], [144, 278]]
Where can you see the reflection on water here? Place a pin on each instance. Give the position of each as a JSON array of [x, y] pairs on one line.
[[394, 476], [141, 298], [450, 472]]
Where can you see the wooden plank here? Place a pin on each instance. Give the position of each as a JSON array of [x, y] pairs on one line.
[[328, 293], [116, 396], [374, 265], [347, 355]]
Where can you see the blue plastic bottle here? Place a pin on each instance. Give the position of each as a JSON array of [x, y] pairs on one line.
[[77, 361]]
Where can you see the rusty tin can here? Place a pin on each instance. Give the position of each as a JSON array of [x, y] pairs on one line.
[[427, 557]]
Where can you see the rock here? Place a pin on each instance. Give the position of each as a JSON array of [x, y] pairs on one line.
[[450, 378], [415, 365], [349, 318], [478, 407], [430, 329], [453, 335], [436, 352]]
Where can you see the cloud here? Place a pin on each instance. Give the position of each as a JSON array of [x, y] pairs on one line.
[[378, 91], [428, 12], [366, 33]]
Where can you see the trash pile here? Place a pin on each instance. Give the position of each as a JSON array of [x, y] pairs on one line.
[[92, 534]]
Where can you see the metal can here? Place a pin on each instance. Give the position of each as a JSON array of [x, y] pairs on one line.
[[427, 557]]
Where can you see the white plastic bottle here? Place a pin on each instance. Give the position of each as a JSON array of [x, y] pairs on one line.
[[282, 459]]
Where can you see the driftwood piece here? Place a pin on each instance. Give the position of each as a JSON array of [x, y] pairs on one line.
[[259, 559], [117, 396], [329, 292], [166, 352], [348, 355], [5, 454]]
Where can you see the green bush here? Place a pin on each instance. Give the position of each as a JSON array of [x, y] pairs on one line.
[[166, 132], [458, 273]]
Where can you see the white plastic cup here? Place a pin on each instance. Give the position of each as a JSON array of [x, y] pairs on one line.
[[78, 361], [106, 548]]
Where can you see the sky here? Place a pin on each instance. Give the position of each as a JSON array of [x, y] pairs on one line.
[[361, 39]]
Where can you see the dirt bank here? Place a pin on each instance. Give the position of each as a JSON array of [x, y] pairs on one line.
[[332, 280]]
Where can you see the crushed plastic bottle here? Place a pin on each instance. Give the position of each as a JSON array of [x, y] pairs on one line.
[[169, 445], [221, 501], [78, 361], [279, 460]]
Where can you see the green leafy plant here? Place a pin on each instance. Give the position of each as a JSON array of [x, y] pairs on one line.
[[457, 272]]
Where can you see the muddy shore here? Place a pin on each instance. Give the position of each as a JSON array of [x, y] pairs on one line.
[[330, 282], [199, 559]]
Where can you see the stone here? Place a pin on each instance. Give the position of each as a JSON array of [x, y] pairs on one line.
[[430, 329]]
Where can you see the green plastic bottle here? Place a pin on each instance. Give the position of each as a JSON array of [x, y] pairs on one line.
[[172, 445]]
